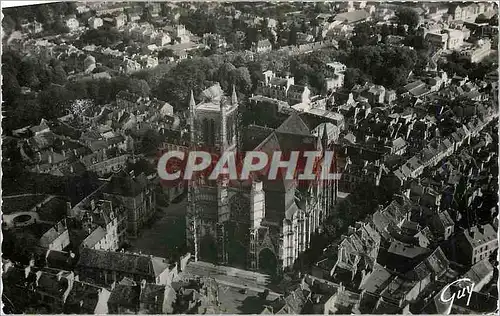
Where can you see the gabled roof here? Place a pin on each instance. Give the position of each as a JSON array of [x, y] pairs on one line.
[[353, 16], [480, 271], [84, 298], [125, 185], [52, 234], [131, 263], [294, 125], [407, 251], [95, 237], [124, 295]]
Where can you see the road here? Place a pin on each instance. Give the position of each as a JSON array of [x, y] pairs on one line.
[[233, 276], [231, 281]]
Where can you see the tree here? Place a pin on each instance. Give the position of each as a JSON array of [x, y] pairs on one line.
[[189, 74], [363, 33], [352, 77], [242, 79], [139, 87], [263, 28], [292, 35], [165, 53], [251, 36], [8, 24], [407, 16], [225, 75]]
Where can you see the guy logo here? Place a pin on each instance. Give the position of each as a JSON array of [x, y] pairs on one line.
[[466, 288]]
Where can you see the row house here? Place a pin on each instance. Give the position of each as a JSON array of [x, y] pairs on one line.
[[283, 89], [108, 267], [362, 241], [53, 292], [450, 39], [128, 297], [476, 243], [106, 223], [262, 46], [478, 52], [56, 238], [137, 194], [471, 11]]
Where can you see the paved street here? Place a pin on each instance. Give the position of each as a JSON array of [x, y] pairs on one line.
[[239, 277], [231, 283]]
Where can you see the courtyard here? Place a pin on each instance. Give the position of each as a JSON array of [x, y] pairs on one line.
[[165, 236]]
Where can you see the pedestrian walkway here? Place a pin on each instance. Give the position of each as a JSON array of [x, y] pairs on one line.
[[259, 278], [231, 276]]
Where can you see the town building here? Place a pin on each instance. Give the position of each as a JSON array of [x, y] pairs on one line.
[[476, 243], [262, 46], [95, 22], [137, 195], [283, 88], [478, 52], [108, 267], [72, 23]]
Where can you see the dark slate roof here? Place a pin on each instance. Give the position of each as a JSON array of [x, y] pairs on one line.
[[125, 295], [128, 96], [125, 185], [60, 260], [254, 135], [83, 298], [144, 265], [294, 125], [297, 88]]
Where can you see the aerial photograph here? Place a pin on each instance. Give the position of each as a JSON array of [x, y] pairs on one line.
[[205, 157]]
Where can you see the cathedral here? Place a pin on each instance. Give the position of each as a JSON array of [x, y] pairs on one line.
[[256, 224]]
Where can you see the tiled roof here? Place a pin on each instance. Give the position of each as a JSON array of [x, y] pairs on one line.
[[353, 16], [125, 185], [83, 298], [95, 237], [127, 96], [480, 271], [52, 234], [125, 262], [124, 295], [60, 260], [408, 251], [294, 125], [479, 237], [51, 284]]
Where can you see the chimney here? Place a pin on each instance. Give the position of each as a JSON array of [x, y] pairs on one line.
[[480, 228]]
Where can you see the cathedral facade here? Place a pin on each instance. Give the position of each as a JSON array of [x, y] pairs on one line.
[[255, 224]]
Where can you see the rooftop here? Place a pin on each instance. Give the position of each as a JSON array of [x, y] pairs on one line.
[[131, 263]]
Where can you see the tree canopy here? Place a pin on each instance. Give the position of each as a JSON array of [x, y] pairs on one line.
[[407, 16]]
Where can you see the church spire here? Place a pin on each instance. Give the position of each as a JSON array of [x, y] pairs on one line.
[[324, 138], [192, 103], [234, 97], [191, 117]]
